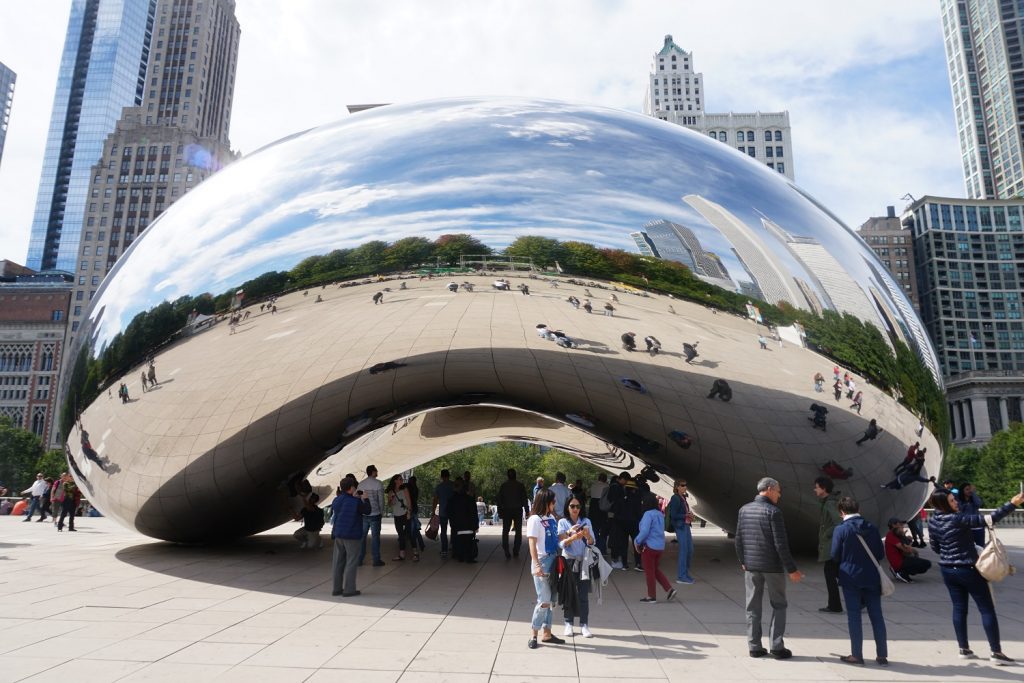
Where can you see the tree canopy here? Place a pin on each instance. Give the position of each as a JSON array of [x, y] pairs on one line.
[[20, 450], [996, 469]]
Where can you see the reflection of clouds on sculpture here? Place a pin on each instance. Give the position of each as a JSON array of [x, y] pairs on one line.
[[484, 168]]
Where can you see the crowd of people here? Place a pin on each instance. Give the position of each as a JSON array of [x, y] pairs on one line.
[[57, 499]]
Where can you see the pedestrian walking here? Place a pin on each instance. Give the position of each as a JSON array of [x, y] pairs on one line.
[[348, 535], [401, 504], [650, 543], [860, 578], [443, 493], [609, 310], [763, 342], [871, 433], [145, 381], [36, 491], [378, 298], [762, 547], [949, 534], [69, 505], [599, 517], [512, 504], [858, 401]]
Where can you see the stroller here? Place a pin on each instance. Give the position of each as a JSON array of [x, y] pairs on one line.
[[818, 421]]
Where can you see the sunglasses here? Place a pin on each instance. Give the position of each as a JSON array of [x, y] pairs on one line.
[[574, 507]]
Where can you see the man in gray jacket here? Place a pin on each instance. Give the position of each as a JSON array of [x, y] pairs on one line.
[[763, 550]]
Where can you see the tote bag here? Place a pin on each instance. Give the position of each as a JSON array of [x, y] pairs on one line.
[[993, 562], [888, 587]]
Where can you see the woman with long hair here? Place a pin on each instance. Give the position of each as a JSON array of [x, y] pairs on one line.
[[949, 534], [542, 535], [575, 533], [401, 505]]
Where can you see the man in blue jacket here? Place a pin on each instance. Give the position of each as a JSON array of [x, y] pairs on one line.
[[860, 579], [347, 534]]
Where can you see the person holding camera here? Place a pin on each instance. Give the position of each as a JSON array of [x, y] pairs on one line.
[[347, 535], [949, 534], [575, 533]]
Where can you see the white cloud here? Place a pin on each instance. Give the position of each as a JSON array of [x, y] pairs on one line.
[[860, 142]]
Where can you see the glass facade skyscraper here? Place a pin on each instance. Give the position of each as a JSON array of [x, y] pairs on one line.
[[102, 70], [986, 73], [7, 78]]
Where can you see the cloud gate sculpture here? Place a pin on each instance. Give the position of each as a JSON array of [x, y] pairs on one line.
[[372, 291]]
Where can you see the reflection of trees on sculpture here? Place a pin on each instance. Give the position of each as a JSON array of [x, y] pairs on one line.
[[846, 339]]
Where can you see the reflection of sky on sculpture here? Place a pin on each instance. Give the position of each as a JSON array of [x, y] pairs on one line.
[[497, 169]]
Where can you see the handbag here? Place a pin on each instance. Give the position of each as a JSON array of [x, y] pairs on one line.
[[993, 562], [888, 587], [432, 528]]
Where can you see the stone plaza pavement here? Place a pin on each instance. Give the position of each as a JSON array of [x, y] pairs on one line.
[[107, 604]]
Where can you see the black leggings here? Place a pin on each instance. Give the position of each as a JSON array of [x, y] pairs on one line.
[[402, 527]]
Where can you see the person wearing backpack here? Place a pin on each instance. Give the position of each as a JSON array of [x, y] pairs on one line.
[[860, 579], [949, 534]]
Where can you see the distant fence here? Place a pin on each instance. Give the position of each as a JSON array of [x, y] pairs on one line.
[[1014, 519]]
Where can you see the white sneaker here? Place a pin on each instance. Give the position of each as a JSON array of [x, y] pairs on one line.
[[585, 630], [568, 631]]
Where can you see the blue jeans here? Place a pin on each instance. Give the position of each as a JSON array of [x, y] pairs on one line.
[[685, 538], [857, 599], [964, 581], [35, 505], [542, 611], [371, 523]]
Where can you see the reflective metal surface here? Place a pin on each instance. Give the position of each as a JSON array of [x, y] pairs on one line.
[[332, 378]]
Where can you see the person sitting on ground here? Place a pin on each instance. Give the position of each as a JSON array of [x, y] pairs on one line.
[[721, 389], [903, 559], [312, 522], [629, 341]]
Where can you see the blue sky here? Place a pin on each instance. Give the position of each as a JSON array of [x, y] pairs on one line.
[[865, 83]]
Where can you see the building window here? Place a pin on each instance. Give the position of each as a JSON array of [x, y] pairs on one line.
[[752, 151], [740, 136], [780, 167], [80, 295], [57, 316], [767, 136], [74, 326], [95, 280], [778, 151], [768, 152], [723, 136], [78, 311], [778, 136]]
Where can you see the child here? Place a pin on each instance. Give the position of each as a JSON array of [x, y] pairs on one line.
[[312, 522]]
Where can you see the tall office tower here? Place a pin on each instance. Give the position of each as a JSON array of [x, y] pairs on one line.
[[7, 79], [166, 146], [970, 272], [675, 242], [986, 73], [675, 93], [102, 70], [893, 245]]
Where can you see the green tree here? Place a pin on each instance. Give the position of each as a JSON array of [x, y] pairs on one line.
[[19, 451], [410, 251], [52, 463], [448, 248], [543, 251], [1000, 466], [368, 254]]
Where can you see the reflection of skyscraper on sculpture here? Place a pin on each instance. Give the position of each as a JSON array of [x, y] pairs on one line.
[[676, 242], [845, 295], [909, 326], [768, 273]]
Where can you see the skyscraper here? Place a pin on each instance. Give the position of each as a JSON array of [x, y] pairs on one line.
[[7, 79], [970, 261], [675, 93], [102, 70], [986, 74], [168, 144]]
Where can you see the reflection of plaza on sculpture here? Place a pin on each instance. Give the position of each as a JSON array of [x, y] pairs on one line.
[[381, 338]]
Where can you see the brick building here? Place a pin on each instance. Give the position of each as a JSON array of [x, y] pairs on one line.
[[33, 319]]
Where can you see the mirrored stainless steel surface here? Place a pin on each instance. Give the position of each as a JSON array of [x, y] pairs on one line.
[[252, 299]]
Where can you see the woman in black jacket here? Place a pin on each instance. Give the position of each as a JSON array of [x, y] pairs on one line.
[[949, 532]]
